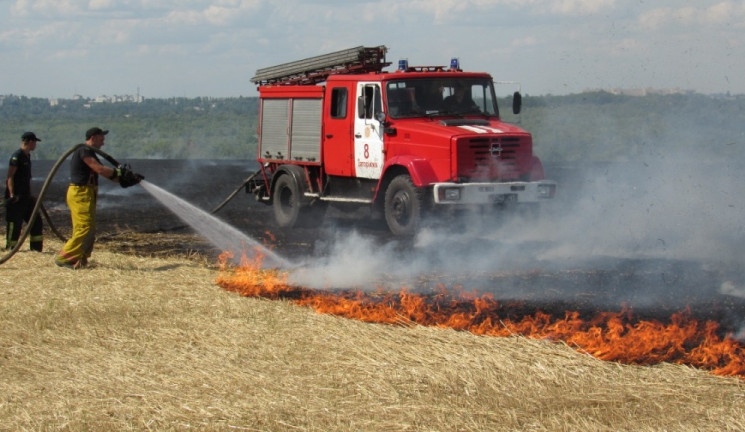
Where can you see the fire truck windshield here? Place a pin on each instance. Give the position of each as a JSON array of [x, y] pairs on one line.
[[416, 97]]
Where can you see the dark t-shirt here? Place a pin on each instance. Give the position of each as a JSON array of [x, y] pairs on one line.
[[451, 104], [22, 176], [80, 173]]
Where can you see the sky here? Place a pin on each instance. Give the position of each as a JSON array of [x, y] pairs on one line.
[[192, 48]]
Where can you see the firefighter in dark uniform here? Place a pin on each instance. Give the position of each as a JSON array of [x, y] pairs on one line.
[[19, 202]]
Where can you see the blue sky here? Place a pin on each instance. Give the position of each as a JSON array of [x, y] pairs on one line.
[[59, 48]]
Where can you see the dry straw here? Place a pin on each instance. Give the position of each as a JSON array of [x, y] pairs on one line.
[[137, 343]]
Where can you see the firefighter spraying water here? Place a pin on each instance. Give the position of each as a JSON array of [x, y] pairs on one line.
[[82, 194], [220, 234], [124, 176]]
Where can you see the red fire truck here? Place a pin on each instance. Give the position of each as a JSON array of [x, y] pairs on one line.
[[337, 128]]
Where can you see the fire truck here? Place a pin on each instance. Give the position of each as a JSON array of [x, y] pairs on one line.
[[338, 128]]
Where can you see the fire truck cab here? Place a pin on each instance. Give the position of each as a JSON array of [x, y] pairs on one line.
[[338, 128]]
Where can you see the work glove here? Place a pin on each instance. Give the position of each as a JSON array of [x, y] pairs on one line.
[[15, 199], [126, 177]]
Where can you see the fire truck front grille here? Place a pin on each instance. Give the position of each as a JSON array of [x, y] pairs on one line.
[[490, 158]]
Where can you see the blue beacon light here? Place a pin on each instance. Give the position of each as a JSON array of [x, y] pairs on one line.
[[403, 64], [454, 63]]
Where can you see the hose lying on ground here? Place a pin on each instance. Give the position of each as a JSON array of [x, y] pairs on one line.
[[232, 195]]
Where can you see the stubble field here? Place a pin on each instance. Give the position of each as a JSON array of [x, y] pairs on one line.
[[152, 343], [145, 339]]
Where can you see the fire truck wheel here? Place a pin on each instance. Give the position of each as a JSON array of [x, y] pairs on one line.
[[286, 202], [403, 206]]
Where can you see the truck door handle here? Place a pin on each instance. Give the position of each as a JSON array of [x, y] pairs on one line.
[[357, 135], [329, 136]]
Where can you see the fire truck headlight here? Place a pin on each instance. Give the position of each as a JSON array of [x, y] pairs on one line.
[[546, 190], [450, 194]]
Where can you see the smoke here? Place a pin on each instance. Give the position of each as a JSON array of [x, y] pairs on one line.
[[349, 260], [663, 228], [669, 208]]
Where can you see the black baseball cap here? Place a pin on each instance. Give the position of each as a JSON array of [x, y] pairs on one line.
[[95, 131], [29, 136]]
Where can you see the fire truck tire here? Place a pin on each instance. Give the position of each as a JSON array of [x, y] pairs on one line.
[[403, 206], [286, 201]]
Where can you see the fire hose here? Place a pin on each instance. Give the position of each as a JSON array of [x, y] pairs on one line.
[[130, 180], [232, 195]]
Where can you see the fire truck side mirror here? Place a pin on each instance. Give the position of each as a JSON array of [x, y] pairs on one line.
[[383, 119], [517, 102]]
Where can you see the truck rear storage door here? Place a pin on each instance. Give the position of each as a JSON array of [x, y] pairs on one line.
[[290, 128]]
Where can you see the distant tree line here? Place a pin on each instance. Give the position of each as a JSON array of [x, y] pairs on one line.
[[591, 126], [174, 128]]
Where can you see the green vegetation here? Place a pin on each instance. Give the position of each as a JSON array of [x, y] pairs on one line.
[[600, 126], [592, 126], [176, 128]]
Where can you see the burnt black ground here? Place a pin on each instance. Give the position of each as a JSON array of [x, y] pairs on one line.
[[132, 221]]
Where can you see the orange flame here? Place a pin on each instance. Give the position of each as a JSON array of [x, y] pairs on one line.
[[612, 336]]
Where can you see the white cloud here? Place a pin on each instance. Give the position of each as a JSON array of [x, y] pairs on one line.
[[584, 43], [230, 11], [717, 14], [179, 17], [218, 14], [101, 4], [46, 8], [443, 9], [578, 7]]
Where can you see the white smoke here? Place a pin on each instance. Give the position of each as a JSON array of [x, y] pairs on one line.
[[671, 208], [670, 221]]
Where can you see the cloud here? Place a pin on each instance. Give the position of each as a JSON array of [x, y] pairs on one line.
[[101, 4], [453, 10], [66, 9], [44, 8], [576, 7], [721, 13], [572, 36]]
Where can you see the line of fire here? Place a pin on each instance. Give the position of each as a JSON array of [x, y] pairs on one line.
[[620, 336]]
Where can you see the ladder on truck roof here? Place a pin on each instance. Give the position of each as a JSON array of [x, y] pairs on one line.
[[316, 69]]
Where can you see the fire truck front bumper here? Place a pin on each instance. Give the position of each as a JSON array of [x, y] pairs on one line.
[[493, 193]]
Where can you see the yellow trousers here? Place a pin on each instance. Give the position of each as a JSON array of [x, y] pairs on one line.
[[82, 203]]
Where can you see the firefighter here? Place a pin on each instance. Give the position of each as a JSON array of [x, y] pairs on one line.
[[19, 203], [460, 101], [82, 192]]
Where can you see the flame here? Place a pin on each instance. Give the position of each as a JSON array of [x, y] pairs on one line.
[[612, 336]]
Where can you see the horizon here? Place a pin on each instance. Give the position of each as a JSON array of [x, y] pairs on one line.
[[634, 92]]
